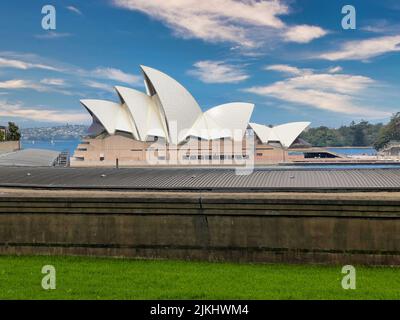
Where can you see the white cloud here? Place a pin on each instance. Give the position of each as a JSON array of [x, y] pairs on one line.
[[21, 84], [339, 83], [99, 85], [74, 10], [335, 69], [245, 23], [287, 69], [364, 49], [53, 82], [383, 26], [376, 28], [340, 93], [23, 65], [218, 72], [304, 33], [30, 61], [116, 75], [45, 85], [53, 35], [39, 114]]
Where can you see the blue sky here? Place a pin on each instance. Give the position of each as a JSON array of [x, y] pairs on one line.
[[291, 58]]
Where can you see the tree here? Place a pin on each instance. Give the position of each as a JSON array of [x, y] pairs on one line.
[[13, 132], [354, 135], [2, 136], [390, 132], [358, 133], [322, 137]]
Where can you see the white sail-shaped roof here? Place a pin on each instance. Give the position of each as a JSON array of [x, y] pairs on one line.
[[177, 103], [232, 117], [224, 121], [146, 117], [169, 111], [206, 128], [289, 132], [285, 134], [263, 132], [125, 121], [111, 115]]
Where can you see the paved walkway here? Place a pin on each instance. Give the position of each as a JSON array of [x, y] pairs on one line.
[[29, 158]]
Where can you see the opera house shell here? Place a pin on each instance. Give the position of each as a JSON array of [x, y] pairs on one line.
[[169, 113]]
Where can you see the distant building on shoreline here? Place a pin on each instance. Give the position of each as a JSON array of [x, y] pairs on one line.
[[392, 149], [3, 133], [7, 145]]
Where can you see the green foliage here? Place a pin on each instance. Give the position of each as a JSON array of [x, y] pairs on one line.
[[322, 137], [13, 132], [355, 135], [390, 132], [2, 136], [95, 278]]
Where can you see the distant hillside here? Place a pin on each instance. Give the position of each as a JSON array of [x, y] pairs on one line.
[[67, 132], [354, 135]]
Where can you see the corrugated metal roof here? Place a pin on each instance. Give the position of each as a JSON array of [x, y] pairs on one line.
[[203, 179]]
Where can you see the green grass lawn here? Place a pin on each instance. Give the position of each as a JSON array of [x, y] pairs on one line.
[[95, 278]]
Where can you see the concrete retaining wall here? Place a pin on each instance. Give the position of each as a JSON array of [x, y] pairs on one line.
[[292, 228]]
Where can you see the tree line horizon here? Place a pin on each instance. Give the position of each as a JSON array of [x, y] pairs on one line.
[[361, 134]]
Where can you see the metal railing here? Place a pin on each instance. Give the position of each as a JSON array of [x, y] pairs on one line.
[[62, 159]]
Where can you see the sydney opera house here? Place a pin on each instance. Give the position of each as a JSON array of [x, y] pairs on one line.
[[166, 125]]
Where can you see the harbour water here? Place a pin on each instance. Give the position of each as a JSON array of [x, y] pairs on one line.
[[56, 145], [354, 151]]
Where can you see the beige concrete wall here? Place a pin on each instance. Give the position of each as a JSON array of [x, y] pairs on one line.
[[287, 228], [9, 146], [129, 152]]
